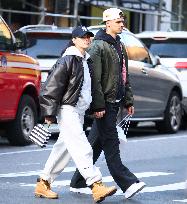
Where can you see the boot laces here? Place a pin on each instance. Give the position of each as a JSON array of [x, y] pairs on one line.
[[100, 184], [47, 185]]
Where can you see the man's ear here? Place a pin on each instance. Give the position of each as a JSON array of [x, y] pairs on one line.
[[107, 24]]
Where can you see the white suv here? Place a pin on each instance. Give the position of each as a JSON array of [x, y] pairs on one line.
[[44, 43], [171, 47]]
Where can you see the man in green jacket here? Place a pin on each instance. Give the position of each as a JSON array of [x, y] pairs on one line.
[[110, 89]]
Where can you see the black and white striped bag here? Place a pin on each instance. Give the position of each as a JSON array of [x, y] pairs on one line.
[[122, 132], [40, 135]]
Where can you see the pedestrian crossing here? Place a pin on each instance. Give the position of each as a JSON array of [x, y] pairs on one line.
[[107, 179]]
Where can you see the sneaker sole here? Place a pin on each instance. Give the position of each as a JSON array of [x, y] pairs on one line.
[[106, 195], [44, 196], [136, 192]]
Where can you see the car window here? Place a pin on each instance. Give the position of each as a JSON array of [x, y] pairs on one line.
[[5, 37], [171, 48], [46, 45], [135, 49]]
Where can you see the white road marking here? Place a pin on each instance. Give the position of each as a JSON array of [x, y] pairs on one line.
[[169, 187], [157, 138], [182, 201], [29, 164], [31, 173], [106, 179], [153, 189], [49, 147], [72, 169], [25, 151]]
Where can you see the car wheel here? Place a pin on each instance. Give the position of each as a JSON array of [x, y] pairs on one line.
[[173, 115], [26, 118]]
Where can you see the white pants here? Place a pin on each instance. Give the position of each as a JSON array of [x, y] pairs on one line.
[[72, 139]]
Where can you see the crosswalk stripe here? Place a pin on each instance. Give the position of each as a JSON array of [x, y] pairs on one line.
[[32, 173], [106, 179], [168, 187], [182, 201], [72, 169]]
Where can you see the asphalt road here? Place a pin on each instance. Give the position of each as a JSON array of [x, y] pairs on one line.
[[158, 160]]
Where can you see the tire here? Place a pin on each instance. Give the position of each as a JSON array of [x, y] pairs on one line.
[[184, 122], [173, 115], [133, 124], [26, 118]]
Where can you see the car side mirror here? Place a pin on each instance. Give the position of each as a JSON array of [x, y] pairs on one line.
[[20, 40], [156, 60]]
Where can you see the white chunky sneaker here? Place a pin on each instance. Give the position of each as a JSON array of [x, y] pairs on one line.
[[133, 189]]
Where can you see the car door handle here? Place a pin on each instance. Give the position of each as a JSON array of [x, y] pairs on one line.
[[144, 71]]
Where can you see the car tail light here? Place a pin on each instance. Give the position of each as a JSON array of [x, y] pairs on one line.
[[181, 65]]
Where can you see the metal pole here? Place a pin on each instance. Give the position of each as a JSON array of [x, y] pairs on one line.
[[42, 8], [180, 15], [9, 18], [140, 22], [115, 2], [1, 12], [56, 10], [160, 16], [76, 6]]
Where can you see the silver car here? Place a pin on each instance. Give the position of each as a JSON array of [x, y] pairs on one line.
[[171, 47]]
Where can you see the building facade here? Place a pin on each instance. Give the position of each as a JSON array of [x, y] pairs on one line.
[[141, 14]]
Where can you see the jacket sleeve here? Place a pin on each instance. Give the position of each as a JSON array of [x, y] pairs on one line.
[[98, 101], [53, 89], [128, 99]]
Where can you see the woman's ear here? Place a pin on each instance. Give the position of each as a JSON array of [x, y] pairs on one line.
[[73, 40]]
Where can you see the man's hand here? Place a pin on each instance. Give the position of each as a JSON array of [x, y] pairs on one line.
[[99, 114], [49, 120], [130, 110]]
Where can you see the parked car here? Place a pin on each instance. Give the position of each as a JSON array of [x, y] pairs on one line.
[[44, 43], [171, 47], [20, 80], [157, 90]]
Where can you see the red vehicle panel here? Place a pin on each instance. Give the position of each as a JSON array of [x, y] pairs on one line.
[[20, 80]]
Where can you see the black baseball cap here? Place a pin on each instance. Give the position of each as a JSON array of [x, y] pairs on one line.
[[81, 31]]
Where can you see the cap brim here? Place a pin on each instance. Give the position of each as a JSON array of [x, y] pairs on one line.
[[88, 33]]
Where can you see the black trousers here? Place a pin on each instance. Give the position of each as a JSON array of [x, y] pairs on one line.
[[104, 136]]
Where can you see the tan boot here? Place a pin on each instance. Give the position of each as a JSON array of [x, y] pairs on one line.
[[100, 192], [43, 189]]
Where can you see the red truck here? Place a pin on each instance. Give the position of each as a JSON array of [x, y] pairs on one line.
[[20, 80]]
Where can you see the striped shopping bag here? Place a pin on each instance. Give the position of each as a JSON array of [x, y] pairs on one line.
[[40, 135], [122, 132]]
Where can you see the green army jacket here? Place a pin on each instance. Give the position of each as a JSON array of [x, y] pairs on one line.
[[105, 75]]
